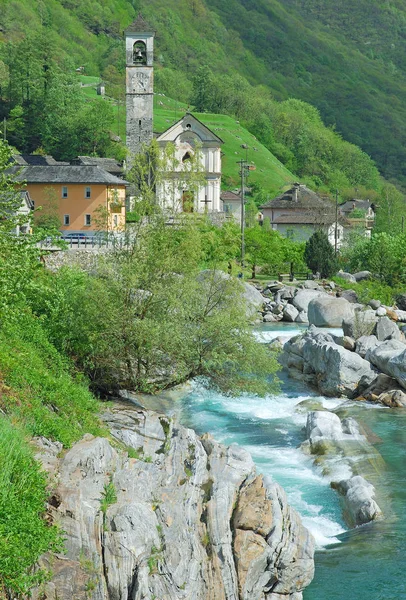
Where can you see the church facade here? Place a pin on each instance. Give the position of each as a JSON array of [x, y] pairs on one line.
[[191, 176]]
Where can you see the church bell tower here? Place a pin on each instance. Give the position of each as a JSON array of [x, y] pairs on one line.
[[139, 47]]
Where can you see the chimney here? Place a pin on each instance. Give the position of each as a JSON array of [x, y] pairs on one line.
[[296, 187]]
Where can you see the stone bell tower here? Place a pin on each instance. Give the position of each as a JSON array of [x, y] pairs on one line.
[[139, 48]]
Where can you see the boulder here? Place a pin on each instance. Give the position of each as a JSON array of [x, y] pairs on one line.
[[346, 276], [348, 343], [365, 343], [387, 330], [286, 293], [362, 275], [338, 370], [393, 399], [269, 318], [290, 313], [380, 312], [303, 297], [359, 497], [401, 315], [327, 311], [374, 304], [349, 295], [401, 301], [390, 358], [309, 284], [302, 317], [361, 323]]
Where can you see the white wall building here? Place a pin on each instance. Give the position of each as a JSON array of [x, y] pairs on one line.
[[177, 192]]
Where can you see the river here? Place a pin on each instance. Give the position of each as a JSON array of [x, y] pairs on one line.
[[366, 563]]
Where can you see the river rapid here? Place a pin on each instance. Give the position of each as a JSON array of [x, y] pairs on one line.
[[366, 563]]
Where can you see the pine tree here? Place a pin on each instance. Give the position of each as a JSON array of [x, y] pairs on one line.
[[319, 255]]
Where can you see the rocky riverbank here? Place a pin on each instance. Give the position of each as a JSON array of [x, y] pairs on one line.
[[157, 512]]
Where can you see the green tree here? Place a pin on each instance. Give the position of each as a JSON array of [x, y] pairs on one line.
[[319, 255]]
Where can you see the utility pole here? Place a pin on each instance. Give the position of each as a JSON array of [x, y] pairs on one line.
[[336, 226], [243, 172]]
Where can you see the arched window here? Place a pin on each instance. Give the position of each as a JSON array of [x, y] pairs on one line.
[[139, 53], [186, 157]]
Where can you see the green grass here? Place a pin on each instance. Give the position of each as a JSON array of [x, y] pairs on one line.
[[39, 390], [371, 290], [24, 534]]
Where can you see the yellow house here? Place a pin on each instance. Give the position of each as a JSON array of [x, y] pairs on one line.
[[86, 198]]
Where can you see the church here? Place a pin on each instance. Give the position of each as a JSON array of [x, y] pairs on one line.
[[196, 147]]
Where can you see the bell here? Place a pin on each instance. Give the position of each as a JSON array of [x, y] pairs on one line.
[[138, 54]]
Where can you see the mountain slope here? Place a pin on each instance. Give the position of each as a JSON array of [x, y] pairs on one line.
[[346, 58]]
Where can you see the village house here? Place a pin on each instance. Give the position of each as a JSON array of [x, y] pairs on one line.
[[85, 198], [359, 214], [231, 205], [299, 212]]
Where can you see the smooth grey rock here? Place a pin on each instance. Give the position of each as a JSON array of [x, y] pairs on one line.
[[327, 311], [338, 370], [359, 496], [362, 275], [381, 312], [374, 304], [332, 285], [302, 317], [365, 343], [349, 295], [346, 276], [390, 358], [290, 313], [348, 343], [287, 292], [309, 284], [303, 297], [387, 330], [269, 318]]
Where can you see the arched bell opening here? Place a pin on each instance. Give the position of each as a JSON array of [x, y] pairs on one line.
[[140, 53]]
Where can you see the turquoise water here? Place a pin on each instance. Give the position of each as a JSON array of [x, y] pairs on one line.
[[367, 563]]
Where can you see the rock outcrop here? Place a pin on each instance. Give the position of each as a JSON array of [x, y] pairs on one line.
[[157, 512], [315, 358], [337, 443]]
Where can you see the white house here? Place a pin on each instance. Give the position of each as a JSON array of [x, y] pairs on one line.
[[178, 191]]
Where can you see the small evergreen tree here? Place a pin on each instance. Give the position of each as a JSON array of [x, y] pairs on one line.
[[319, 255]]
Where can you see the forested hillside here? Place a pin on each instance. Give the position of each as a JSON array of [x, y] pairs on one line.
[[345, 58]]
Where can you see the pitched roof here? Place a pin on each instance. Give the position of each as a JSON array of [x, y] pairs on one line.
[[230, 196], [351, 205], [139, 25], [298, 196], [308, 219], [36, 159], [108, 164], [191, 120], [65, 174]]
